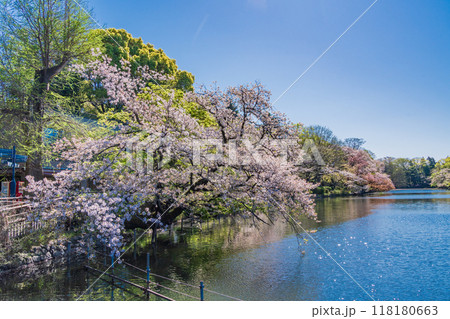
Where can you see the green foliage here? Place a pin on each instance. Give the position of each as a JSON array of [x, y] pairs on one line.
[[409, 173], [329, 146], [333, 184], [444, 163], [332, 191], [110, 119], [119, 45], [38, 40], [440, 176]]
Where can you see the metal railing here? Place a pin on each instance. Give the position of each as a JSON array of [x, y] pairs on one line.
[[150, 274]]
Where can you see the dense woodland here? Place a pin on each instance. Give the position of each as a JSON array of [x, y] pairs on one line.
[[117, 102], [418, 172], [410, 173]]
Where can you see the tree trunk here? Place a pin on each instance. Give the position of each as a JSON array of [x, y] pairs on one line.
[[36, 128], [34, 165], [35, 134], [154, 235]]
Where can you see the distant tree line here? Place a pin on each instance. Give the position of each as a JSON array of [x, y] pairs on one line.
[[347, 168], [418, 172]]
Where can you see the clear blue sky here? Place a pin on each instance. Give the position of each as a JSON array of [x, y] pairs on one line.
[[387, 80]]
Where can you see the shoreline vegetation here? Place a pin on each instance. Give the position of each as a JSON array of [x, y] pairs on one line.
[[116, 120]]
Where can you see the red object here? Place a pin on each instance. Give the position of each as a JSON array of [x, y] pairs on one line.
[[19, 189]]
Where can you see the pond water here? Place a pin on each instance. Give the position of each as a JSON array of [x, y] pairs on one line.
[[393, 246]]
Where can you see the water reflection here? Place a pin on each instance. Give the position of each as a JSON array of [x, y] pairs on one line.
[[395, 245]]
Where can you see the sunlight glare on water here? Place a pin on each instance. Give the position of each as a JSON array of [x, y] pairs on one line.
[[395, 245]]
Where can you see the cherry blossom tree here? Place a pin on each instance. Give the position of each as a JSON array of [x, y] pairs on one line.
[[347, 168], [170, 153], [363, 166]]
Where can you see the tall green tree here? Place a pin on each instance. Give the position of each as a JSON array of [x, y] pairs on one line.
[[120, 45], [127, 52], [39, 38]]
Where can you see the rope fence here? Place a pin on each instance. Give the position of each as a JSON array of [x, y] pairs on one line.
[[201, 287]]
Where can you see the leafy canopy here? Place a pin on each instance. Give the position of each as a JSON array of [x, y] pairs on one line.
[[120, 45]]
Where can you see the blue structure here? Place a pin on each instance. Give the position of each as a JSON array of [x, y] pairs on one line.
[[13, 181], [9, 162], [6, 157]]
